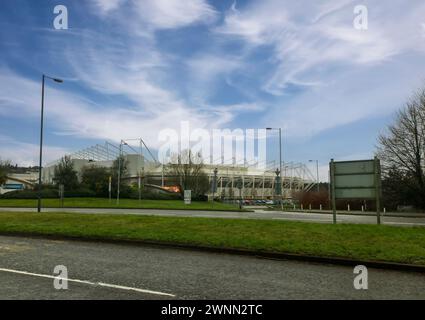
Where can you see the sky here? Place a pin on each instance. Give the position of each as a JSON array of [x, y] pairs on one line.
[[131, 68]]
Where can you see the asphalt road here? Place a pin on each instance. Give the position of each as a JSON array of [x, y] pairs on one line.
[[258, 214], [148, 272]]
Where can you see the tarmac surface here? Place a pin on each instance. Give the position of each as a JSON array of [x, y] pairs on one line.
[[118, 271]]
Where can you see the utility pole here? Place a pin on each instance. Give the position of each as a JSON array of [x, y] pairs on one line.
[[280, 163], [214, 184], [119, 172], [41, 137]]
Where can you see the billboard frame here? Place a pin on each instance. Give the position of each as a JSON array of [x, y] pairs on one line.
[[376, 173]]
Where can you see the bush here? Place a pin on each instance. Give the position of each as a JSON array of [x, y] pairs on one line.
[[150, 195], [47, 194], [80, 193], [203, 197], [30, 194]]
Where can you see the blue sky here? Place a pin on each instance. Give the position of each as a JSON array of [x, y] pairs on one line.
[[133, 67]]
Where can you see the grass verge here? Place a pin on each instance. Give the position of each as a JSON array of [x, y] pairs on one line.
[[360, 242], [124, 204]]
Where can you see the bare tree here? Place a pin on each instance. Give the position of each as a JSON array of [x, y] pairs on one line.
[[187, 171], [402, 148]]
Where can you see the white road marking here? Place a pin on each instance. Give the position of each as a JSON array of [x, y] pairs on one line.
[[88, 282]]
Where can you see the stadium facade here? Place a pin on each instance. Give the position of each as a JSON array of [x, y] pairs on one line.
[[233, 181]]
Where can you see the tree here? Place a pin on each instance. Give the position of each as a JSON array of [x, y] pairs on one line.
[[402, 147], [4, 169], [187, 171], [397, 189], [65, 174], [96, 179]]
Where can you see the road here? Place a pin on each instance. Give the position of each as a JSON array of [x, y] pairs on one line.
[[149, 272], [258, 214]]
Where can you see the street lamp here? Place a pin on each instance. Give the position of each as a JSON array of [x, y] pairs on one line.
[[119, 170], [41, 137], [280, 159], [125, 143], [317, 173], [214, 184]]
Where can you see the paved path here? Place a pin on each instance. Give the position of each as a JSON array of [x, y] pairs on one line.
[[258, 214], [148, 272]]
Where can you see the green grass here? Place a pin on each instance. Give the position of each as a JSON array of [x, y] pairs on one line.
[[363, 242], [124, 204]]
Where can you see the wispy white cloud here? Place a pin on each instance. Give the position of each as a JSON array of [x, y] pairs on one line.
[[70, 114], [106, 6], [302, 45], [362, 93], [206, 70], [294, 64], [165, 14], [26, 154], [161, 14]]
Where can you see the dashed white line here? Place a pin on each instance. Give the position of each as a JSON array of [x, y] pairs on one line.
[[102, 284]]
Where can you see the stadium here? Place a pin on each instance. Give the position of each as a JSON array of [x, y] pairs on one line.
[[233, 181]]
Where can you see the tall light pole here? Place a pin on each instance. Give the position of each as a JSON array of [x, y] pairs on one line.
[[124, 143], [214, 184], [317, 173], [119, 171], [41, 137], [280, 161]]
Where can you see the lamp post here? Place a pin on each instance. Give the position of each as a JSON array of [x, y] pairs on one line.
[[124, 142], [317, 173], [280, 161], [119, 171], [239, 185], [214, 184], [41, 137]]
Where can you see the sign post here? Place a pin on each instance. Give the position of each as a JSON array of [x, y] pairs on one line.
[[110, 187], [61, 193], [214, 185], [332, 170], [356, 180], [240, 185], [378, 189], [187, 196], [139, 186]]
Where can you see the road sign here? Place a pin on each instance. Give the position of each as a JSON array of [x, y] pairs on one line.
[[356, 180], [187, 196], [61, 193]]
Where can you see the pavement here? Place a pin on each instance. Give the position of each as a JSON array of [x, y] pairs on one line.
[[117, 271], [257, 214]]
